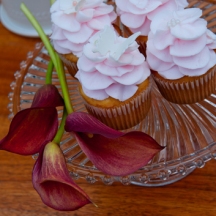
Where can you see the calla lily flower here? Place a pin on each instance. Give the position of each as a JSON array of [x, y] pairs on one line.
[[31, 127], [111, 151], [53, 182]]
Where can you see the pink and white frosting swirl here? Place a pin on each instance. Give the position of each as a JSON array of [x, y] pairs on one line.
[[75, 21], [180, 44], [111, 66], [138, 14]]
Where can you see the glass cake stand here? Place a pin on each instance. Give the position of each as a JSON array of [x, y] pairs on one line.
[[187, 131]]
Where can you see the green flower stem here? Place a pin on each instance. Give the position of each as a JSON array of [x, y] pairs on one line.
[[40, 32], [63, 83], [49, 72], [60, 132], [52, 1], [54, 57]]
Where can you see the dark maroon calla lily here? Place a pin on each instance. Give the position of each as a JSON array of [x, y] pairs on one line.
[[31, 127], [47, 96], [113, 152], [53, 183]]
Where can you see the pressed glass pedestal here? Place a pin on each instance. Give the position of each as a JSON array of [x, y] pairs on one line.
[[187, 131]]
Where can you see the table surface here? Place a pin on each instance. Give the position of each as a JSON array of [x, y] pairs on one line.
[[193, 195]]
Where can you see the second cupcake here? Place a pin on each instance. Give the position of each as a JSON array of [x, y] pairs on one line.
[[180, 52], [136, 16], [114, 79]]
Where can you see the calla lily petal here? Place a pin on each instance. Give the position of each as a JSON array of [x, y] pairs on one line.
[[31, 127], [85, 123], [112, 152], [53, 182], [47, 96]]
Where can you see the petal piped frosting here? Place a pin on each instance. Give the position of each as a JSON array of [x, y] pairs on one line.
[[187, 47], [137, 15], [111, 66], [76, 22]]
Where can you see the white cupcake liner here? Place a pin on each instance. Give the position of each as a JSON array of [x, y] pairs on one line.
[[188, 92], [126, 115], [71, 66]]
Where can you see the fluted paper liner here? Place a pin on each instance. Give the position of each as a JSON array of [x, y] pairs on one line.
[[71, 66], [192, 91], [126, 115]]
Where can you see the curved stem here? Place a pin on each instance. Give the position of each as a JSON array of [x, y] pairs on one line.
[[53, 55], [49, 72], [40, 32], [60, 132]]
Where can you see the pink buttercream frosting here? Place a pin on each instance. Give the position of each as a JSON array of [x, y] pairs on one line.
[[75, 21], [138, 14], [180, 44], [111, 69]]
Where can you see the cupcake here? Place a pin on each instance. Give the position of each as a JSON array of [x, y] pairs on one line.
[[136, 16], [114, 80], [74, 22], [183, 65]]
